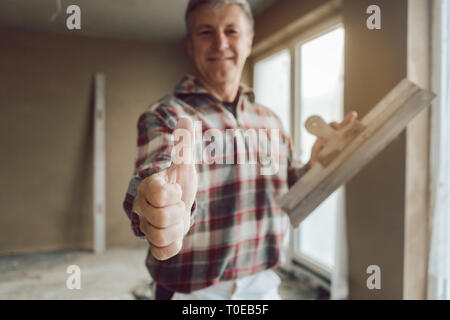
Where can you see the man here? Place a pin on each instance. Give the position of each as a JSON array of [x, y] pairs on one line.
[[215, 229]]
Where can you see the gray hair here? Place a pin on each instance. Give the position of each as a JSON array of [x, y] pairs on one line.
[[194, 4]]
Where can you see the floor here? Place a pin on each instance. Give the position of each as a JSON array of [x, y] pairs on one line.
[[119, 273]]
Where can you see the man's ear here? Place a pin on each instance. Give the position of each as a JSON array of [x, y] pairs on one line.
[[250, 44]]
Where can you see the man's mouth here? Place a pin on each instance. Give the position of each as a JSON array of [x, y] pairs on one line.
[[219, 59]]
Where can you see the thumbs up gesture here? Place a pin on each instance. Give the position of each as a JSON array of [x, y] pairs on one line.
[[164, 199]]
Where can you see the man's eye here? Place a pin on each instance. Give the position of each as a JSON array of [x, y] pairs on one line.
[[231, 31], [205, 33]]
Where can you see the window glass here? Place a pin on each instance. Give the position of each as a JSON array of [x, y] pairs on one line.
[[321, 93], [272, 85]]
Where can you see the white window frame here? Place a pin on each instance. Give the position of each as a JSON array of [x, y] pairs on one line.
[[437, 277]]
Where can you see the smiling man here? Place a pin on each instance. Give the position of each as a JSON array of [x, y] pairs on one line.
[[215, 230], [219, 42]]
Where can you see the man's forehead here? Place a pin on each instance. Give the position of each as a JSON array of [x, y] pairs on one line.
[[223, 15]]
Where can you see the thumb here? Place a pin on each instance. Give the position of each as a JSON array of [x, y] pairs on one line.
[[349, 118], [184, 136]]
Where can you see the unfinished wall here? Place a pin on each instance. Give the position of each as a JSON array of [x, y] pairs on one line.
[[46, 132], [281, 14], [375, 61]]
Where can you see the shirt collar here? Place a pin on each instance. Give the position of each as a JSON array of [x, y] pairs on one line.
[[189, 85]]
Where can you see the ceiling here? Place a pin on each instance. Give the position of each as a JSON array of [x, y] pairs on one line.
[[153, 20]]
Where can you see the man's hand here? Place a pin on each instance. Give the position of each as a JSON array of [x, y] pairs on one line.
[[321, 142], [164, 199]]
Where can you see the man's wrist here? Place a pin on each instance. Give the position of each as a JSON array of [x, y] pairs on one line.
[[307, 166]]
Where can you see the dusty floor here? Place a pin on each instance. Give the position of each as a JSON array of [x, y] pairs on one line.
[[119, 273]]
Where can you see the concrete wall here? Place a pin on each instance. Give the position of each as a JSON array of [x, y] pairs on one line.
[[375, 60], [46, 132], [282, 13]]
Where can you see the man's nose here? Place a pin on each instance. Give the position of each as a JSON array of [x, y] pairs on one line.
[[220, 41]]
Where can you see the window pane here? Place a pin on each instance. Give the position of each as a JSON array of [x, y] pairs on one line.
[[321, 89], [272, 85], [321, 71]]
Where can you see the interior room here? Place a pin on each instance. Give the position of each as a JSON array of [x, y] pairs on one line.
[[77, 75]]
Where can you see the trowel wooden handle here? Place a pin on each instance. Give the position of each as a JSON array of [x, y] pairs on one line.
[[318, 127]]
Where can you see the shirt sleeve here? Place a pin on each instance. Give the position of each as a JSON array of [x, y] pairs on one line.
[[295, 166], [154, 153]]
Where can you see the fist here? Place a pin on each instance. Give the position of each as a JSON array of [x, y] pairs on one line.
[[164, 199]]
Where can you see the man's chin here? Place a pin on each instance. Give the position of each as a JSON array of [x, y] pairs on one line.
[[222, 78]]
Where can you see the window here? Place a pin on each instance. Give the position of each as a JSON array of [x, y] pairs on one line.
[[320, 92], [315, 65], [272, 85]]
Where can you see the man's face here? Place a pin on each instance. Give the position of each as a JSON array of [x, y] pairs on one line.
[[219, 43]]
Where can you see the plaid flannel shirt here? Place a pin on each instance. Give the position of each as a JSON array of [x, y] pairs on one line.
[[237, 226]]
